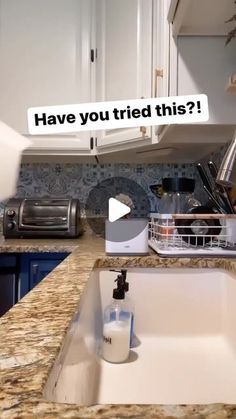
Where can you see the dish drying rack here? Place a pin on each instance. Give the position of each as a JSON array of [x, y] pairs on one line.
[[171, 235]]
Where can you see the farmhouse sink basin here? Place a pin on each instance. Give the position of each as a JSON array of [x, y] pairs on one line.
[[185, 323]]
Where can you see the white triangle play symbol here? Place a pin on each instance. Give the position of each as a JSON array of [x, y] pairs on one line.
[[116, 210]]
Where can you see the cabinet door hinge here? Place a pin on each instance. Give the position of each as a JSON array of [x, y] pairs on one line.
[[93, 55]]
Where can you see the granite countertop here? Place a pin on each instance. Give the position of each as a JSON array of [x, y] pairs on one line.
[[37, 245], [32, 332]]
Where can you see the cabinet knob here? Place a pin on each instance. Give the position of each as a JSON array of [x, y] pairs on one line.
[[11, 225], [158, 74], [11, 213], [143, 130]]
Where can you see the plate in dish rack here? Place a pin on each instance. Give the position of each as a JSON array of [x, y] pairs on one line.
[[173, 251]]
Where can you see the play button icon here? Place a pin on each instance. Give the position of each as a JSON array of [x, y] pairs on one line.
[[110, 201], [117, 210]]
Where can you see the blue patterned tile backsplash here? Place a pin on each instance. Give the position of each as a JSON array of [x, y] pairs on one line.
[[76, 180]]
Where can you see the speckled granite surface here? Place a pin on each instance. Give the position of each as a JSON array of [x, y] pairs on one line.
[[32, 333], [38, 245]]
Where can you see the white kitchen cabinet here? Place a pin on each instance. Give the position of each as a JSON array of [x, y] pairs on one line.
[[204, 66], [45, 60], [201, 17], [124, 64], [45, 53], [198, 64], [56, 145]]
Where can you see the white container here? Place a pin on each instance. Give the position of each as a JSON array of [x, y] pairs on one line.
[[230, 225], [127, 237]]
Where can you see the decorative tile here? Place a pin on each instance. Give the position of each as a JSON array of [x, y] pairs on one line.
[[76, 180]]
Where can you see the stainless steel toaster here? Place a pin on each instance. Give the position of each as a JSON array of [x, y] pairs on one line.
[[45, 217]]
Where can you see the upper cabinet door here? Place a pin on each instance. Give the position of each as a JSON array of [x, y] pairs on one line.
[[201, 17], [161, 39], [124, 64], [45, 57], [204, 66]]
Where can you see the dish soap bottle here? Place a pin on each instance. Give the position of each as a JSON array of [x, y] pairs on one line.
[[129, 303], [116, 327]]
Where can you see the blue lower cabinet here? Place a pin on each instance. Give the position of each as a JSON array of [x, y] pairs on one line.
[[7, 260], [9, 269], [39, 269], [35, 266]]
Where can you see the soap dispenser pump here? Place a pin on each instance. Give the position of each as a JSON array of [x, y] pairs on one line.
[[117, 324]]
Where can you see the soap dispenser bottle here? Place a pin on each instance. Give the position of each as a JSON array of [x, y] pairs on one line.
[[116, 327], [127, 303]]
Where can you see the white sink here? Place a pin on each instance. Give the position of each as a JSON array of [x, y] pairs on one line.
[[185, 321]]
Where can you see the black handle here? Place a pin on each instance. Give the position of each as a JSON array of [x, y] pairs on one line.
[[204, 177], [214, 171], [217, 205]]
